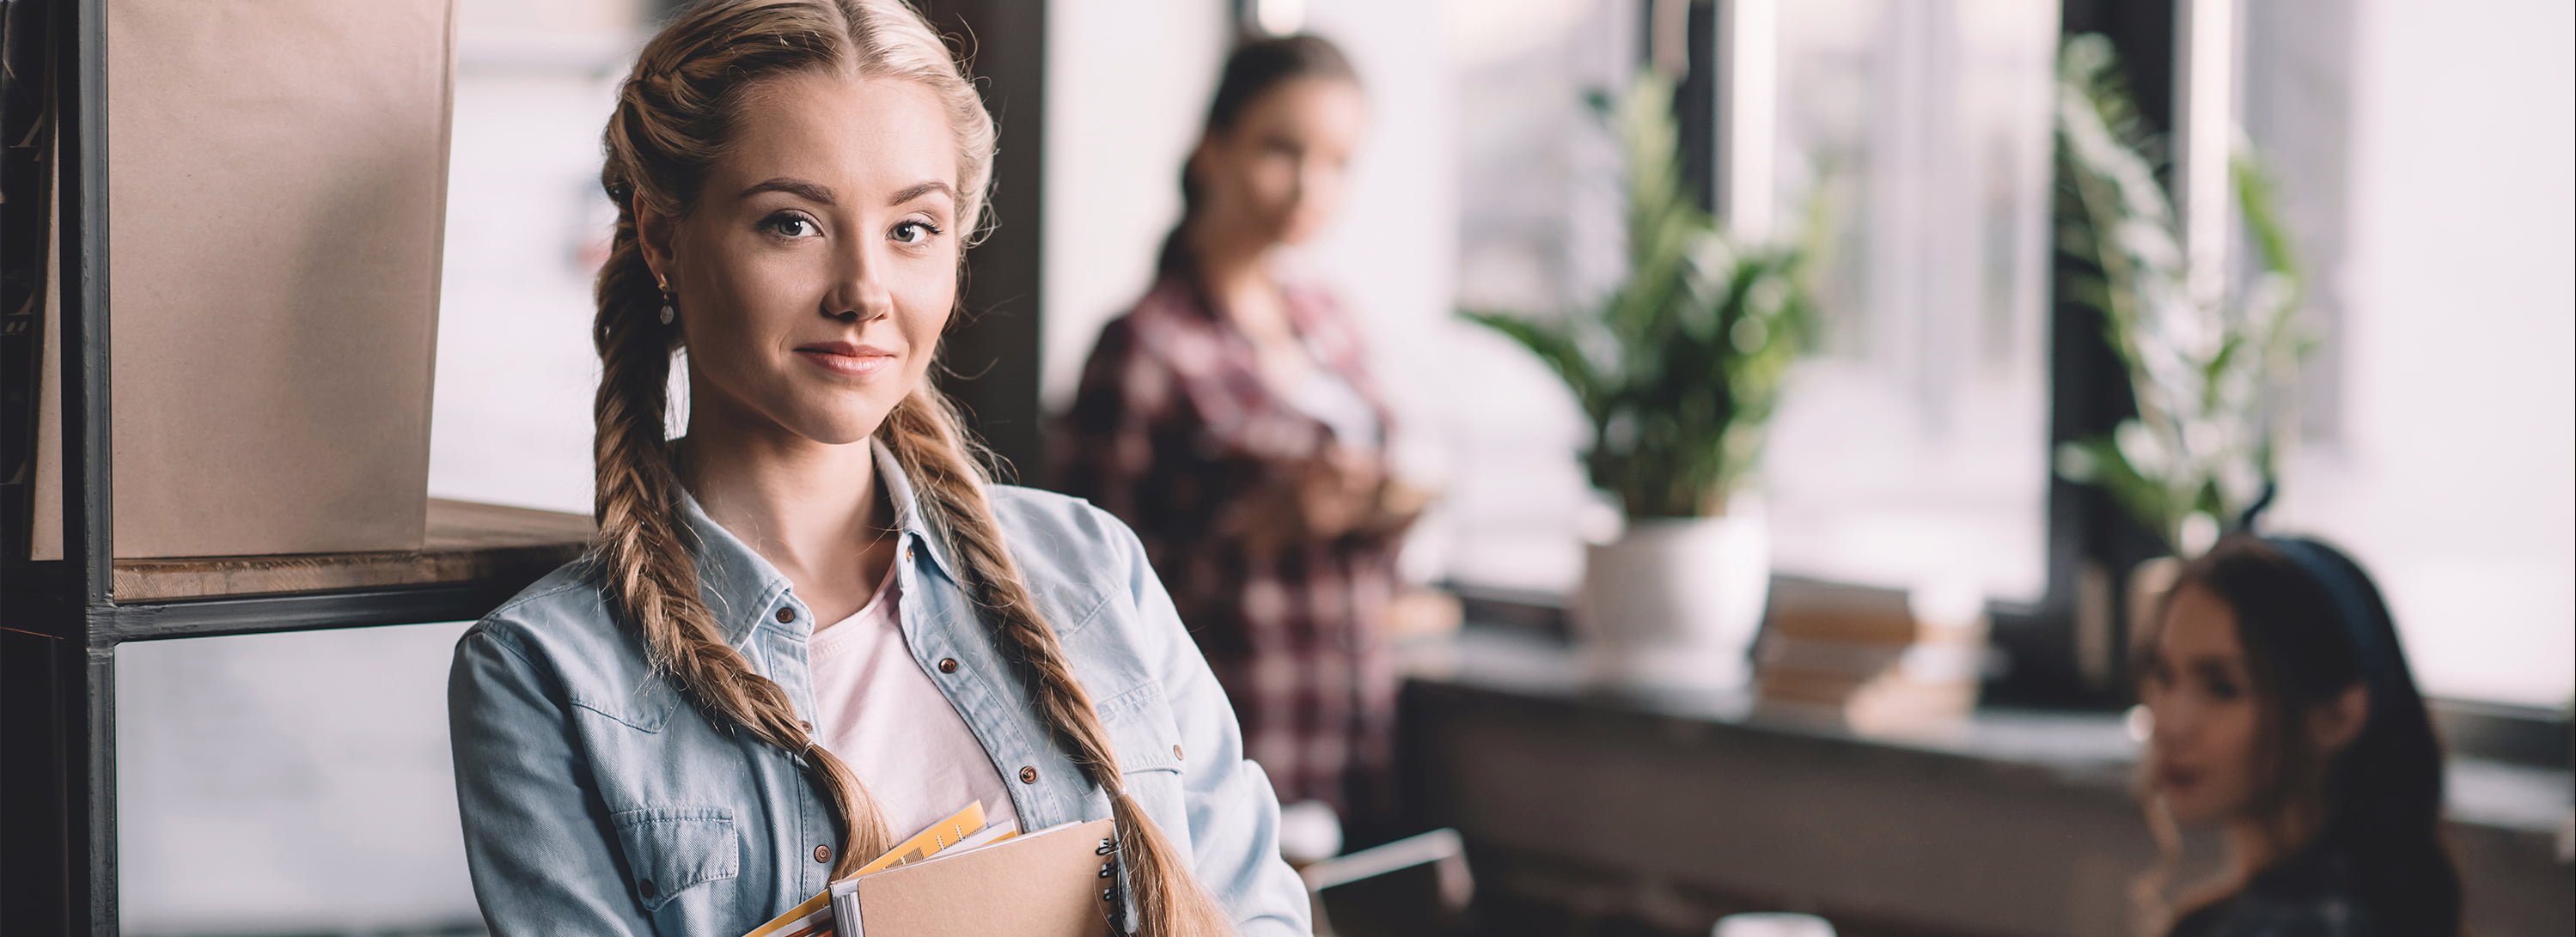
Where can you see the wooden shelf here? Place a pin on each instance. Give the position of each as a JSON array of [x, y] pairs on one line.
[[467, 543]]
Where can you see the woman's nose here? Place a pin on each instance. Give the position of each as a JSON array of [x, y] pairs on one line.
[[2171, 723], [861, 293]]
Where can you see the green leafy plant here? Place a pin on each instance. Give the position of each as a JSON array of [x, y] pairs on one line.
[[1678, 368], [2208, 371]]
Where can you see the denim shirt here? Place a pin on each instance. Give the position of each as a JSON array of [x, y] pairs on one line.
[[597, 800]]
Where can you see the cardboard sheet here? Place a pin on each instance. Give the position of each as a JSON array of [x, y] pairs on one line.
[[277, 200]]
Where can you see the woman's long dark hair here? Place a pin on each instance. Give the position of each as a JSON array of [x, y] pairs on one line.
[[1252, 70], [2313, 625]]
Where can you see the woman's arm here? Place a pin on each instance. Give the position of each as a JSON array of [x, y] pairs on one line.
[[1233, 813], [543, 861]]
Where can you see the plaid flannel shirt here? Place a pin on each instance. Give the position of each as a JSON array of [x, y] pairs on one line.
[[1173, 429]]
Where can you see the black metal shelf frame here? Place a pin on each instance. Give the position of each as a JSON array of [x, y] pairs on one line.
[[58, 784]]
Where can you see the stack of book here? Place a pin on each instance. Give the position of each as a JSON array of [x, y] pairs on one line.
[[1870, 660]]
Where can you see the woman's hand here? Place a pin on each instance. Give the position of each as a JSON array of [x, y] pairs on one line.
[[1339, 492]]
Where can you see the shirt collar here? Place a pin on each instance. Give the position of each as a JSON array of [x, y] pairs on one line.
[[907, 509], [741, 587]]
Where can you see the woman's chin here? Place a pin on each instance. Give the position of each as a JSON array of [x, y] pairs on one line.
[[841, 426], [2192, 810], [1296, 234]]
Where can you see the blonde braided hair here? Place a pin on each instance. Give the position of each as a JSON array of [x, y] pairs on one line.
[[673, 116]]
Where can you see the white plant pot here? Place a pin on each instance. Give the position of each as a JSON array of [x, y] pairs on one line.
[[1676, 603]]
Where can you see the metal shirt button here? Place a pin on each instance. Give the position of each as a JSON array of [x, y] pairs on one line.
[[646, 889], [1029, 775], [822, 853], [948, 665], [786, 614]]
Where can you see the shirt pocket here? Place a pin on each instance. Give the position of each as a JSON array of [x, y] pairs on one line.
[[677, 858], [1150, 757]]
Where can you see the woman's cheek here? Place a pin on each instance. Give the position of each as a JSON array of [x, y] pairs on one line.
[[927, 296], [2236, 734], [1273, 186]]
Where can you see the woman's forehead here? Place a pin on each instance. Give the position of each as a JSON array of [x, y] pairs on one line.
[[860, 136], [2199, 624], [1312, 103]]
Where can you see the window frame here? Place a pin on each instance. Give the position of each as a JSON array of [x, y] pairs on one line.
[[2069, 649]]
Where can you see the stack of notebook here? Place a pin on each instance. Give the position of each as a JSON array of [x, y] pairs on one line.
[[961, 878], [1870, 659]]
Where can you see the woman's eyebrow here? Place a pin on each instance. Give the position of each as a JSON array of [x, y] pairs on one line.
[[2215, 663], [797, 187], [919, 189]]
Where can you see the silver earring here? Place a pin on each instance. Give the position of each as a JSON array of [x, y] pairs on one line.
[[668, 313]]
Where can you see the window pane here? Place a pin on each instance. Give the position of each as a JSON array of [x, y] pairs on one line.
[[2424, 164], [1913, 448]]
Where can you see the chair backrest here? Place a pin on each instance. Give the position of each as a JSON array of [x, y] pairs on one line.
[[1417, 886], [1771, 924]]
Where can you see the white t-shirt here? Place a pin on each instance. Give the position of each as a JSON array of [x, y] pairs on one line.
[[1329, 397], [884, 718]]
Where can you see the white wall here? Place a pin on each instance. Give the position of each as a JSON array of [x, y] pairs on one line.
[[526, 226], [1127, 83], [2455, 476]]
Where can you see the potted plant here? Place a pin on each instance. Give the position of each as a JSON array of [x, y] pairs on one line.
[[1677, 371], [2210, 370]]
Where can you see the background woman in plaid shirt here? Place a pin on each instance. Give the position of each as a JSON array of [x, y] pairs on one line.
[[1230, 419]]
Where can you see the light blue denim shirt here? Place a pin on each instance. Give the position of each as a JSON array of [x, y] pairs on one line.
[[596, 800]]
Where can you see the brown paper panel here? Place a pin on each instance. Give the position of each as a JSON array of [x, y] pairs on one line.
[[276, 202]]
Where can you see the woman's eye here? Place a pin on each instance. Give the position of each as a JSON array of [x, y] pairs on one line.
[[914, 233], [792, 226]]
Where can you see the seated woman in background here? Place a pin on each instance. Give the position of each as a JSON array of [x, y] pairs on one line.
[[1230, 419], [2285, 716]]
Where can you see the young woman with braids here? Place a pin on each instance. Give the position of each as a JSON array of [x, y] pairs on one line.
[[2285, 716], [811, 626], [1230, 417]]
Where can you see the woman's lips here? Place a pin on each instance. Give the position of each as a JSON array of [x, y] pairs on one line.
[[847, 359], [2171, 778]]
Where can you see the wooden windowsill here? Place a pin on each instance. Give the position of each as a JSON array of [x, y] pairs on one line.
[[2079, 750], [1596, 808], [467, 542]]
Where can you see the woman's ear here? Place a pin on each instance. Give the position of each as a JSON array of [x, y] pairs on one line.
[[2337, 721], [653, 234]]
